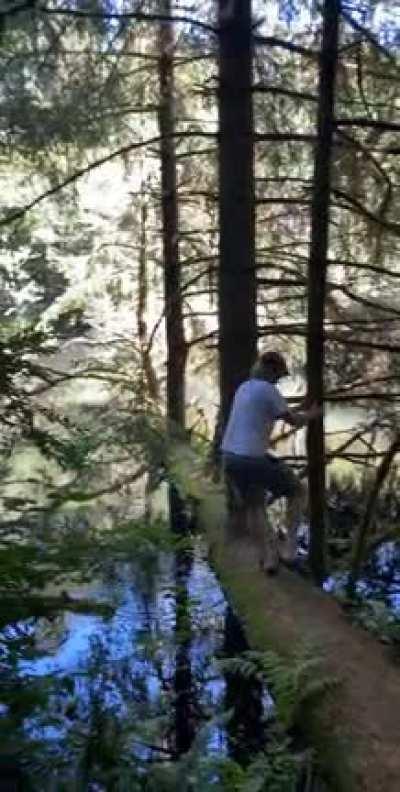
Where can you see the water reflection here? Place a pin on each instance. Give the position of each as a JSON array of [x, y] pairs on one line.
[[380, 578], [129, 690]]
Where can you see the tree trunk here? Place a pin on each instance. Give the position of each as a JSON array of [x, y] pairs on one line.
[[148, 378], [176, 346], [237, 282], [317, 282]]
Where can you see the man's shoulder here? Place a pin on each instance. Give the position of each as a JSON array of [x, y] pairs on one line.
[[261, 385], [258, 388]]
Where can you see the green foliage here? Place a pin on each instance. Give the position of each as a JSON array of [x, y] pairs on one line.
[[74, 453], [275, 770], [293, 685], [21, 344], [377, 618]]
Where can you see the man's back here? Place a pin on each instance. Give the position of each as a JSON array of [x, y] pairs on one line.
[[256, 405]]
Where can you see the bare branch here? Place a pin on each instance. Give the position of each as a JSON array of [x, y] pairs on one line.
[[365, 212], [273, 89], [369, 123], [281, 137], [273, 41]]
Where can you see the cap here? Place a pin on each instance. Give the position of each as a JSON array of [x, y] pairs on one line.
[[275, 360]]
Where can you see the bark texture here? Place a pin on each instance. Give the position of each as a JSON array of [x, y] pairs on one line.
[[237, 282], [320, 211]]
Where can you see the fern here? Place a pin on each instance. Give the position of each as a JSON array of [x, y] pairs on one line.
[[275, 770], [292, 685]]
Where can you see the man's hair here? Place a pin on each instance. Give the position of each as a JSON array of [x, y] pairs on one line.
[[267, 362]]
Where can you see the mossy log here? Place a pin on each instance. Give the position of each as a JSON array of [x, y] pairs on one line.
[[355, 729]]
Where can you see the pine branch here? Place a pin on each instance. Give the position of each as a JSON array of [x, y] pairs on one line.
[[281, 137], [200, 339], [367, 35], [273, 89], [17, 9], [140, 16], [293, 329], [366, 123], [280, 282], [19, 213], [362, 300], [362, 210], [283, 200], [273, 41]]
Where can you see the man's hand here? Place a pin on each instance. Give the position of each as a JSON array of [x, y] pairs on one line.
[[299, 418]]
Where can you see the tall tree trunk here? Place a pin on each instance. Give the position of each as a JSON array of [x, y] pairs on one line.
[[237, 281], [176, 346], [320, 211]]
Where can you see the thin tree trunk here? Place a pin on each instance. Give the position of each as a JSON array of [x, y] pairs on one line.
[[142, 279], [149, 383], [176, 346], [237, 281], [317, 282]]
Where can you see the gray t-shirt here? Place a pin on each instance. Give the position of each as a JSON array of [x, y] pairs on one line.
[[256, 406]]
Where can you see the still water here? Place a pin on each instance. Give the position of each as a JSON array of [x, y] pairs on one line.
[[101, 703]]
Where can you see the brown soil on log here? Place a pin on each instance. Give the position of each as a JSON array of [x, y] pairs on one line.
[[357, 730]]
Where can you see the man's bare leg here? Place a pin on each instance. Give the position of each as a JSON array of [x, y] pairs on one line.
[[294, 512], [264, 537]]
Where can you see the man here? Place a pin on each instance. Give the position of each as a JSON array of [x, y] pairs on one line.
[[257, 405]]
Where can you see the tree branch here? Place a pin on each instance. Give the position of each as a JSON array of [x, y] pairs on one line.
[[366, 123], [281, 137], [19, 213], [139, 15], [273, 89], [367, 35], [273, 41], [363, 211]]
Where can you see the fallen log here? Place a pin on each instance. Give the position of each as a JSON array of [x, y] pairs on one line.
[[354, 730]]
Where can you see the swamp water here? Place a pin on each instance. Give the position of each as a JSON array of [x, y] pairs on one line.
[[137, 699]]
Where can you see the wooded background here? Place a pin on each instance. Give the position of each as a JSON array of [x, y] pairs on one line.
[[183, 184]]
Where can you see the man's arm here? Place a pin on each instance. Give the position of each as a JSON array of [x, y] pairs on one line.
[[299, 418]]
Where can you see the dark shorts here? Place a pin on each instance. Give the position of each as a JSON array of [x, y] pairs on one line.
[[266, 472]]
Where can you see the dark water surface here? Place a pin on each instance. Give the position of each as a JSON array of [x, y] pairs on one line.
[[96, 703]]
